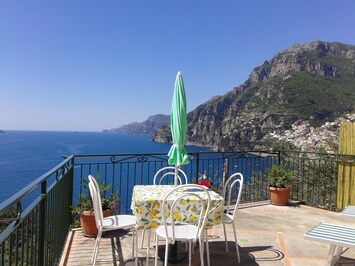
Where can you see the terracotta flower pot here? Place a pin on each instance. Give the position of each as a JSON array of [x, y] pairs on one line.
[[88, 223], [279, 196]]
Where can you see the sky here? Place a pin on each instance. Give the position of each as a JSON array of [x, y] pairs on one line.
[[93, 65]]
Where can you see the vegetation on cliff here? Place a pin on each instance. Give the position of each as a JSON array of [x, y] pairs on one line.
[[310, 84]]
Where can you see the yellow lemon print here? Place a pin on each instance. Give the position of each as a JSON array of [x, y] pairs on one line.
[[152, 214], [154, 224], [177, 216]]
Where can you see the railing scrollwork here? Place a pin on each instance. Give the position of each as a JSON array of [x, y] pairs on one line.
[[142, 158]]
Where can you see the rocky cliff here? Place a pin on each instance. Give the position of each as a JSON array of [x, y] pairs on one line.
[[309, 87], [146, 127]]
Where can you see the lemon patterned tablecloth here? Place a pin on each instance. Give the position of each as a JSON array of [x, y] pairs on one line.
[[147, 200]]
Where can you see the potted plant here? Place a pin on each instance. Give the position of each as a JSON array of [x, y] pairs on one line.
[[84, 210], [279, 178]]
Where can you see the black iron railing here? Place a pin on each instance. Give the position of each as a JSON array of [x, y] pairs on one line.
[[127, 170], [35, 234], [317, 176]]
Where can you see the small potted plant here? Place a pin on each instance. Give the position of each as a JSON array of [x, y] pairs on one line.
[[279, 178], [84, 210]]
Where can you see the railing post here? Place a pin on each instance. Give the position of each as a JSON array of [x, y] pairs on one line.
[[197, 164], [279, 157], [42, 224], [225, 171]]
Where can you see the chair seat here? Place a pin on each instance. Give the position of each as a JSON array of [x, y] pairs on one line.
[[182, 232], [118, 221], [227, 218]]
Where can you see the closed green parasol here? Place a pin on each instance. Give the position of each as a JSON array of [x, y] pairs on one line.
[[177, 154]]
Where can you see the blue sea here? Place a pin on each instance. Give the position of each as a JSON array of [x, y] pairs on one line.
[[26, 155]]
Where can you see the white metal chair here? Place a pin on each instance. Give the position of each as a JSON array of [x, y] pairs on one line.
[[110, 223], [232, 190], [169, 170], [172, 231], [159, 176]]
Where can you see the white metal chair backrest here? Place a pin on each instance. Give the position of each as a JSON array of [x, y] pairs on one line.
[[93, 180], [234, 182], [170, 170], [201, 196], [96, 200]]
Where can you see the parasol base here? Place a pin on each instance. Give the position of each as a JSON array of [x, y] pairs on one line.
[[174, 255]]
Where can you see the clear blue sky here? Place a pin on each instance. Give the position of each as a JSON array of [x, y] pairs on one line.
[[90, 65]]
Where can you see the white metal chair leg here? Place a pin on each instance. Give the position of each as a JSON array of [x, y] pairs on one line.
[[148, 245], [135, 238], [96, 251], [187, 247], [236, 242], [225, 236], [133, 244], [190, 252], [207, 247], [97, 240], [156, 251], [201, 251], [166, 252]]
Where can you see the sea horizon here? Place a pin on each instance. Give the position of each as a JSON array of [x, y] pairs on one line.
[[27, 154], [73, 131]]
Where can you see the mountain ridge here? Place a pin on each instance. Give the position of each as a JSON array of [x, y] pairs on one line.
[[307, 84], [297, 99], [146, 127]]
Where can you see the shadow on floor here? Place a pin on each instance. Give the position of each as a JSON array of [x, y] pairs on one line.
[[219, 256]]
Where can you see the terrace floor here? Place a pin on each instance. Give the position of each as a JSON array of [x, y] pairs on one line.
[[267, 235]]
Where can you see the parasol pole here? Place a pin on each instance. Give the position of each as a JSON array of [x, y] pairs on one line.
[[176, 175]]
